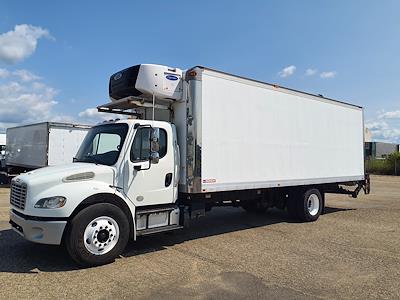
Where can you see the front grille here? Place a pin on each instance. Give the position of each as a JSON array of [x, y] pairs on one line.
[[18, 194]]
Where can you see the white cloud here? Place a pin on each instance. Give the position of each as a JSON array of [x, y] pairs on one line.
[[4, 73], [26, 75], [384, 131], [23, 101], [21, 74], [90, 113], [63, 118], [20, 43], [377, 125], [288, 71], [391, 135], [330, 74], [395, 114], [311, 72], [20, 104]]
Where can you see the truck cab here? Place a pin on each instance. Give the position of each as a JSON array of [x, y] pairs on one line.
[[112, 170]]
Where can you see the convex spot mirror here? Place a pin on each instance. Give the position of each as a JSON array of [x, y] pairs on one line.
[[155, 139], [154, 145], [154, 157]]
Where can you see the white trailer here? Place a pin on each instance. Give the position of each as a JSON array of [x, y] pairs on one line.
[[2, 139], [42, 144], [211, 139]]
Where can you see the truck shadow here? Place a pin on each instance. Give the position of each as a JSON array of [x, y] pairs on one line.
[[218, 221], [20, 256]]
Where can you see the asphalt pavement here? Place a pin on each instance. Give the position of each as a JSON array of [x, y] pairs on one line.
[[352, 251]]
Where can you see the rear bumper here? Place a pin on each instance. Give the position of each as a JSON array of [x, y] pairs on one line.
[[43, 232]]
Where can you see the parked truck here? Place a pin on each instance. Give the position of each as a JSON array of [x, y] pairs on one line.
[[42, 144], [2, 151], [211, 139]]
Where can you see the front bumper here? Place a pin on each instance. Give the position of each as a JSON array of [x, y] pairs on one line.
[[38, 231]]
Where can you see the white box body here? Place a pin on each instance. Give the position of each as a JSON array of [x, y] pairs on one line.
[[248, 134], [43, 144], [2, 139]]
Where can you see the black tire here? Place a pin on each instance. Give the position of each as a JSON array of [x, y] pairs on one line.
[[254, 207], [303, 205], [74, 240]]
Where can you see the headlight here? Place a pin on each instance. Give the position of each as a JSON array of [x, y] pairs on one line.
[[51, 202]]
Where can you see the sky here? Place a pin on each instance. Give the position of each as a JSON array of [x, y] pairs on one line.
[[56, 56]]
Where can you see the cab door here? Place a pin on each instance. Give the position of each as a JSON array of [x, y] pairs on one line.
[[145, 183]]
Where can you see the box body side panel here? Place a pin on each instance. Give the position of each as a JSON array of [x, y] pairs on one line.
[[2, 139], [27, 146], [64, 144], [254, 137]]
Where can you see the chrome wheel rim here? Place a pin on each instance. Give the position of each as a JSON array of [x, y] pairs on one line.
[[313, 204], [101, 235]]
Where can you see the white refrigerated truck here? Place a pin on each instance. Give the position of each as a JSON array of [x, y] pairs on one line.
[[195, 139]]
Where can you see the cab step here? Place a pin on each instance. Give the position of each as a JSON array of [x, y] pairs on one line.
[[158, 230], [157, 219], [154, 210]]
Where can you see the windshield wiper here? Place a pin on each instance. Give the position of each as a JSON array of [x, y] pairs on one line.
[[89, 159]]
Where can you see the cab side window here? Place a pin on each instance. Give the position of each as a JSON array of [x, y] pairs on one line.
[[140, 150]]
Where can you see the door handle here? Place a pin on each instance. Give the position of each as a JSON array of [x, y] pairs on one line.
[[168, 179]]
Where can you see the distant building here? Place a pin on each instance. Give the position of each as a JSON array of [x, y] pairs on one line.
[[367, 135], [379, 150]]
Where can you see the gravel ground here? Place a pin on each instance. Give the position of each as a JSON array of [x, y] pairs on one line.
[[352, 251]]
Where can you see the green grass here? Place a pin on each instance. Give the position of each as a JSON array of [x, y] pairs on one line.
[[388, 166]]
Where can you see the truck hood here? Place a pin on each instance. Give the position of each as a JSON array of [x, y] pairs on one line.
[[56, 174], [70, 181]]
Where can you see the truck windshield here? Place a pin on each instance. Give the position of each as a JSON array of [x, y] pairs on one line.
[[102, 144]]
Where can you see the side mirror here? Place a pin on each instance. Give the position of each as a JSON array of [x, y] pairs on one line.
[[154, 145]]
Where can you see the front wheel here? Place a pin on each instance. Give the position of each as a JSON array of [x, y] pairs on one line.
[[97, 234]]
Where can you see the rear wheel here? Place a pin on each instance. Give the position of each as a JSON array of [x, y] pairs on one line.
[[305, 206], [310, 205], [97, 234]]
